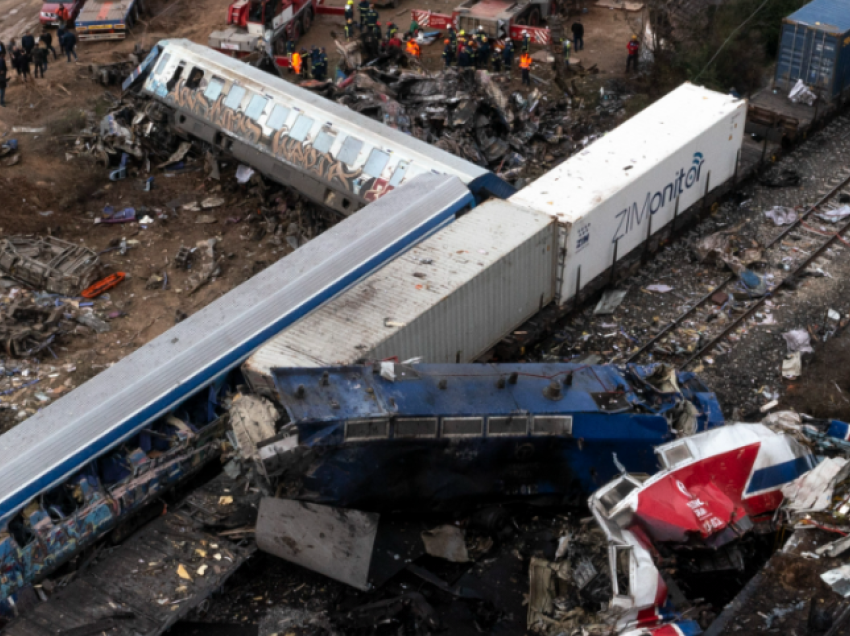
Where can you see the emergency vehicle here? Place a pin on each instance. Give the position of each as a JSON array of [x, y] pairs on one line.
[[499, 19], [252, 21]]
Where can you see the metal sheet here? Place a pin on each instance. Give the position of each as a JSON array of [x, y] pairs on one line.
[[448, 299], [59, 439], [332, 541], [658, 163]]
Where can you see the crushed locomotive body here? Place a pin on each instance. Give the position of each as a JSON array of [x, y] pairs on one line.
[[390, 436]]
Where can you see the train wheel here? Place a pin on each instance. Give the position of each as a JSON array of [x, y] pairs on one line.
[[307, 19], [295, 34], [534, 18]]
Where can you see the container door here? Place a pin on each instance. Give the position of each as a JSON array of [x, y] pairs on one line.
[[822, 63], [842, 70], [792, 48]]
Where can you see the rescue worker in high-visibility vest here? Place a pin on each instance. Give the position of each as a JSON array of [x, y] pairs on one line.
[[371, 17], [448, 53], [473, 53], [413, 49], [349, 11], [526, 43], [566, 49], [508, 56], [452, 36], [305, 64], [349, 29], [295, 64], [464, 59], [479, 34], [392, 29], [525, 66]]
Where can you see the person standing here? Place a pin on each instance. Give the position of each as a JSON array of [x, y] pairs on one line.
[[28, 43], [448, 53], [363, 9], [578, 34], [452, 35], [633, 47], [508, 56], [39, 59], [392, 29], [566, 50], [349, 30], [47, 39], [349, 11], [496, 59], [525, 66], [484, 53], [526, 43], [24, 61], [3, 73], [295, 63], [69, 43]]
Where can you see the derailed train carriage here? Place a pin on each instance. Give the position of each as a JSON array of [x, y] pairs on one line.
[[330, 154]]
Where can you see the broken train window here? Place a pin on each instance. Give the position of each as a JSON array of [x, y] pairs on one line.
[[325, 139], [623, 570], [350, 151], [278, 117], [301, 128], [399, 173], [214, 89], [256, 107], [376, 163], [675, 455], [234, 98], [176, 77], [616, 494], [195, 77], [162, 64]]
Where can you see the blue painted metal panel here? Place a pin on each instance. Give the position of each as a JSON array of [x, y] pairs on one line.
[[815, 47], [116, 404], [512, 448]]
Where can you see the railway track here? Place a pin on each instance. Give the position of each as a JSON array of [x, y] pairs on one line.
[[787, 257]]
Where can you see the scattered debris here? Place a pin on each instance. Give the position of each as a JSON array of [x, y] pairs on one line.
[[49, 264]]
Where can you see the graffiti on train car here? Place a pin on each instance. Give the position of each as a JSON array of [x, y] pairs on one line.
[[62, 522], [322, 165], [194, 101]]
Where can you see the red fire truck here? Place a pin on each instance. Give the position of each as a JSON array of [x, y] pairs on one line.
[[499, 18], [250, 21]]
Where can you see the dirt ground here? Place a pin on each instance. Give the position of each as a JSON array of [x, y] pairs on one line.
[[53, 192]]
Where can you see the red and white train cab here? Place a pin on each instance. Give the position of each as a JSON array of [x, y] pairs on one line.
[[713, 487]]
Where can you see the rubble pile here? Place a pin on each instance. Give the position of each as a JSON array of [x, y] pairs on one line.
[[471, 116]]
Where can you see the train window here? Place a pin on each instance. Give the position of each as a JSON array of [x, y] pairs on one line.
[[256, 107], [324, 140], [195, 77], [163, 63], [301, 127], [213, 91], [399, 173], [278, 117], [175, 78], [349, 151], [234, 98], [376, 163]]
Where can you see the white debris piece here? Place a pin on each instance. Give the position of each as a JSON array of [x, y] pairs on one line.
[[798, 340], [813, 490], [801, 94]]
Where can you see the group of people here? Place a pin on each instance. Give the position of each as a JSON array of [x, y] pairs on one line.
[[33, 55], [313, 64]]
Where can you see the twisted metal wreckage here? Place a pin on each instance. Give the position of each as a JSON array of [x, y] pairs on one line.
[[359, 443]]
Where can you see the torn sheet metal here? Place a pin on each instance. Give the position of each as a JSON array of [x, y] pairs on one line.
[[444, 434], [713, 486], [332, 541], [49, 264], [146, 584]]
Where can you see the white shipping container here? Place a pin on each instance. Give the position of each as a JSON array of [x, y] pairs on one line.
[[448, 299], [637, 177]]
